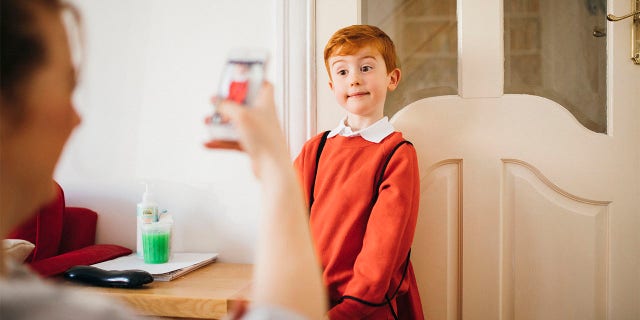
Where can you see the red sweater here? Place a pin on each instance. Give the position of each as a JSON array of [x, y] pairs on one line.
[[362, 249]]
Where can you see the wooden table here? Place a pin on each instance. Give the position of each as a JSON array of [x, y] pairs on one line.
[[206, 293]]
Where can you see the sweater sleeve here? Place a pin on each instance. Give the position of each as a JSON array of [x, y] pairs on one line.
[[378, 268]]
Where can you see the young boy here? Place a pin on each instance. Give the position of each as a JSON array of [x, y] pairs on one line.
[[362, 185]]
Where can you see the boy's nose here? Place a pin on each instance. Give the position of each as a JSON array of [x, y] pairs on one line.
[[354, 81]]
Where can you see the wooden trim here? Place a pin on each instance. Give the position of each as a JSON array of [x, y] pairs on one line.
[[552, 185], [295, 60]]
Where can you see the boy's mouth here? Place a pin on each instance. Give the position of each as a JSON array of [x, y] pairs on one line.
[[357, 94]]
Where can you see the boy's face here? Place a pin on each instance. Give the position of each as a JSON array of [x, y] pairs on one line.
[[360, 82]]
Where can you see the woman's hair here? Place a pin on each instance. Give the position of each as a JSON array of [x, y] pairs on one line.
[[351, 39], [23, 48]]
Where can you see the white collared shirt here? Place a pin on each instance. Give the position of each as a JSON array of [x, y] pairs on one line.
[[373, 133]]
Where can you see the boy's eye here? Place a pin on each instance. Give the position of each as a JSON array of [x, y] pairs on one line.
[[366, 68], [342, 72]]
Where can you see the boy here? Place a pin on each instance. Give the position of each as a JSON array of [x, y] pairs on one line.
[[362, 184]]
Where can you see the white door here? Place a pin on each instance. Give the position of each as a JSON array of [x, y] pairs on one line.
[[525, 213]]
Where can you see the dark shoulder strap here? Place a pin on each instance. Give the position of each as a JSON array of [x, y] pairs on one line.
[[323, 140], [376, 187]]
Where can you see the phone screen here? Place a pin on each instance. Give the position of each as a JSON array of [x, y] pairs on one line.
[[241, 80]]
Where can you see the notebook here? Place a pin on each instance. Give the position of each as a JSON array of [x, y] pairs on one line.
[[179, 264]]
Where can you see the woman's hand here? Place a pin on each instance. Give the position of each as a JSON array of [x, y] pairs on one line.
[[258, 128], [287, 272]]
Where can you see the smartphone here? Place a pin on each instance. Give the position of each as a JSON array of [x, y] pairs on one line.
[[241, 79]]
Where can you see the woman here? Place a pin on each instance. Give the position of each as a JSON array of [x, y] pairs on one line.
[[36, 119]]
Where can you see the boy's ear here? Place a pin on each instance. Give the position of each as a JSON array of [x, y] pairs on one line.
[[331, 85], [394, 79]]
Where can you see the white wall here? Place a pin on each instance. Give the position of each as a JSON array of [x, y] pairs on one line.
[[328, 20], [150, 69]]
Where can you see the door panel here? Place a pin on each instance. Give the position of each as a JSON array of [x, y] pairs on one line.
[[436, 251], [554, 249]]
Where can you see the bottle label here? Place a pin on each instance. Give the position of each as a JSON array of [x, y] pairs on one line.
[[149, 215]]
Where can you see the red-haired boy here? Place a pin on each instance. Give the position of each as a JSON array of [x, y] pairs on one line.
[[362, 185]]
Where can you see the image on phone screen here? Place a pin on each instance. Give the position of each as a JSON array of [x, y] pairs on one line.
[[241, 81]]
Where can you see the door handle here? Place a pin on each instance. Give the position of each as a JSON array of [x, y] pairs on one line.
[[635, 29], [611, 17]]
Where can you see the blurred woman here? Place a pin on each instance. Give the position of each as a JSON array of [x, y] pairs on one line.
[[37, 117]]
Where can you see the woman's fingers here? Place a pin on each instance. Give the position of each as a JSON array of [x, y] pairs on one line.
[[225, 110]]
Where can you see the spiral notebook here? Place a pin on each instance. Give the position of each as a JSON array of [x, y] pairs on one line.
[[179, 264]]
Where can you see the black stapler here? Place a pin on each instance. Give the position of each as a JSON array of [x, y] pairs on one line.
[[108, 278]]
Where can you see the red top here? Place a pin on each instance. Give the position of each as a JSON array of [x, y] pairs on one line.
[[238, 91], [363, 249]]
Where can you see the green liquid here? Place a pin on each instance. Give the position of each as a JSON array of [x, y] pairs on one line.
[[155, 247]]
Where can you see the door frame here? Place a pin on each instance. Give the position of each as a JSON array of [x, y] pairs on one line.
[[296, 72]]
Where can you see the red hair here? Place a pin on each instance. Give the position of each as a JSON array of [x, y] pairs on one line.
[[351, 39]]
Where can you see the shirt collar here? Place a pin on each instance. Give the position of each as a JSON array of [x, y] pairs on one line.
[[373, 133]]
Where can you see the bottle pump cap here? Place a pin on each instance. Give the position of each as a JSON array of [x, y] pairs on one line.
[[147, 196]]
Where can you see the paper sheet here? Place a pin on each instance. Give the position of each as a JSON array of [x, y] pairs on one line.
[[177, 261]]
